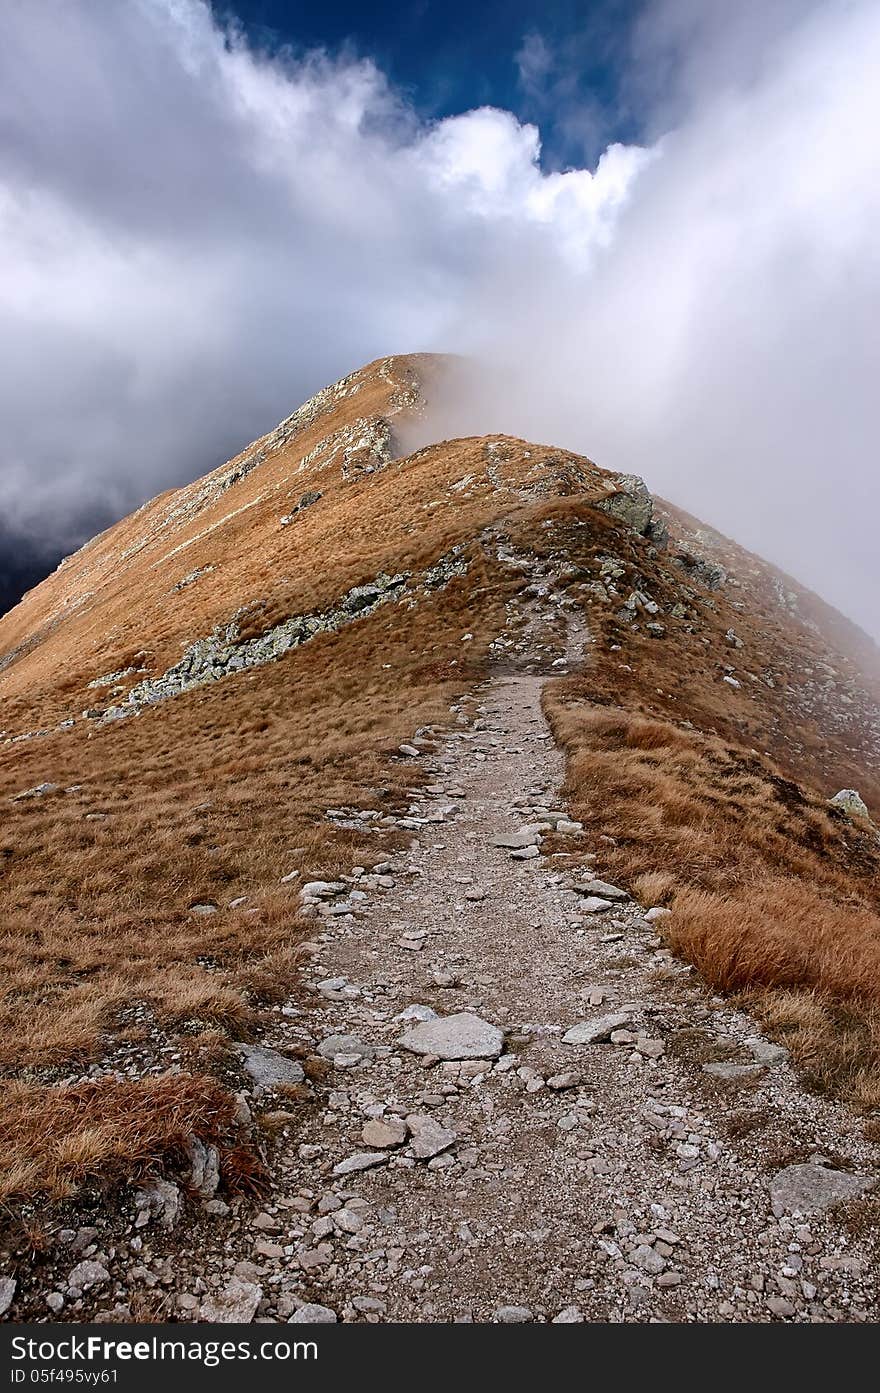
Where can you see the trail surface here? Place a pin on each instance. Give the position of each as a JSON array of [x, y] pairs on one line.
[[614, 1180]]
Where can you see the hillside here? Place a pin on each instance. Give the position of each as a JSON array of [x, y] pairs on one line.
[[282, 676]]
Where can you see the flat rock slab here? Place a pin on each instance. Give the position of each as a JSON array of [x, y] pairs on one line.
[[599, 1028], [427, 1137], [462, 1036], [513, 841], [345, 1046], [602, 887], [268, 1068], [595, 904], [361, 1161], [380, 1133], [809, 1189]]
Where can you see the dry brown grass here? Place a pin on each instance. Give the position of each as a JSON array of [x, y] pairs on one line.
[[216, 794], [53, 1140], [772, 893]]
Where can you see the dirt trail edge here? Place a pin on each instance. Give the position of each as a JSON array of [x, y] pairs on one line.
[[658, 1161]]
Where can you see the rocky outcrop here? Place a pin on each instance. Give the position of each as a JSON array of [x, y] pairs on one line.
[[632, 505], [224, 652]]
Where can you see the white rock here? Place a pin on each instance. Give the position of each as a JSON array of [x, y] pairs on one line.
[[313, 1314], [236, 1304], [88, 1274], [658, 912], [7, 1292], [361, 1161], [595, 904], [596, 1029], [427, 1137], [417, 1013], [765, 1050]]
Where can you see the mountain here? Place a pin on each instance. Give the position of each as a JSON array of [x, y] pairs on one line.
[[270, 738]]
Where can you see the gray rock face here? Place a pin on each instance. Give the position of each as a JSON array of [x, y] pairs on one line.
[[313, 1314], [236, 1304], [462, 1036], [809, 1189], [205, 1163], [159, 1200], [7, 1292], [224, 651], [850, 801], [633, 505], [268, 1068], [592, 1032]]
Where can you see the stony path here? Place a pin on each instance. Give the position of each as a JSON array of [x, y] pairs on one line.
[[624, 1179], [615, 1144]]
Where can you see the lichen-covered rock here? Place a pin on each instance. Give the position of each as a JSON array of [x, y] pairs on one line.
[[850, 801], [632, 505]]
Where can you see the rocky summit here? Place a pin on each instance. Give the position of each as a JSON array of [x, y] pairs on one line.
[[439, 884]]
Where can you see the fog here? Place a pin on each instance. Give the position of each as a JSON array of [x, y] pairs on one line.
[[195, 236]]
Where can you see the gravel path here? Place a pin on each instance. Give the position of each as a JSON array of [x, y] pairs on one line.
[[615, 1180]]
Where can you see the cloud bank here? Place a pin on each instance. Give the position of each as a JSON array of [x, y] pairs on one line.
[[195, 236]]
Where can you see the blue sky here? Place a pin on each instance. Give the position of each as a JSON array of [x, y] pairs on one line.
[[560, 64]]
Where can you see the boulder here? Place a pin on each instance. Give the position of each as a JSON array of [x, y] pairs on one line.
[[427, 1137], [236, 1304], [632, 504], [313, 1314], [849, 801]]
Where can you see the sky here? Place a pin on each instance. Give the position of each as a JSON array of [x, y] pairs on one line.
[[652, 225]]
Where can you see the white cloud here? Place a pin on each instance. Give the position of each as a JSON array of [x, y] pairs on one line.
[[193, 236]]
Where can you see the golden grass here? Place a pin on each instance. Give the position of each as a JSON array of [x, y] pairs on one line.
[[53, 1140]]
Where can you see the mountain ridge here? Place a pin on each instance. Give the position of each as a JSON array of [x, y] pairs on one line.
[[240, 692]]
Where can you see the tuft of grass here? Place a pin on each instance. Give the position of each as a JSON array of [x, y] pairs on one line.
[[54, 1140]]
